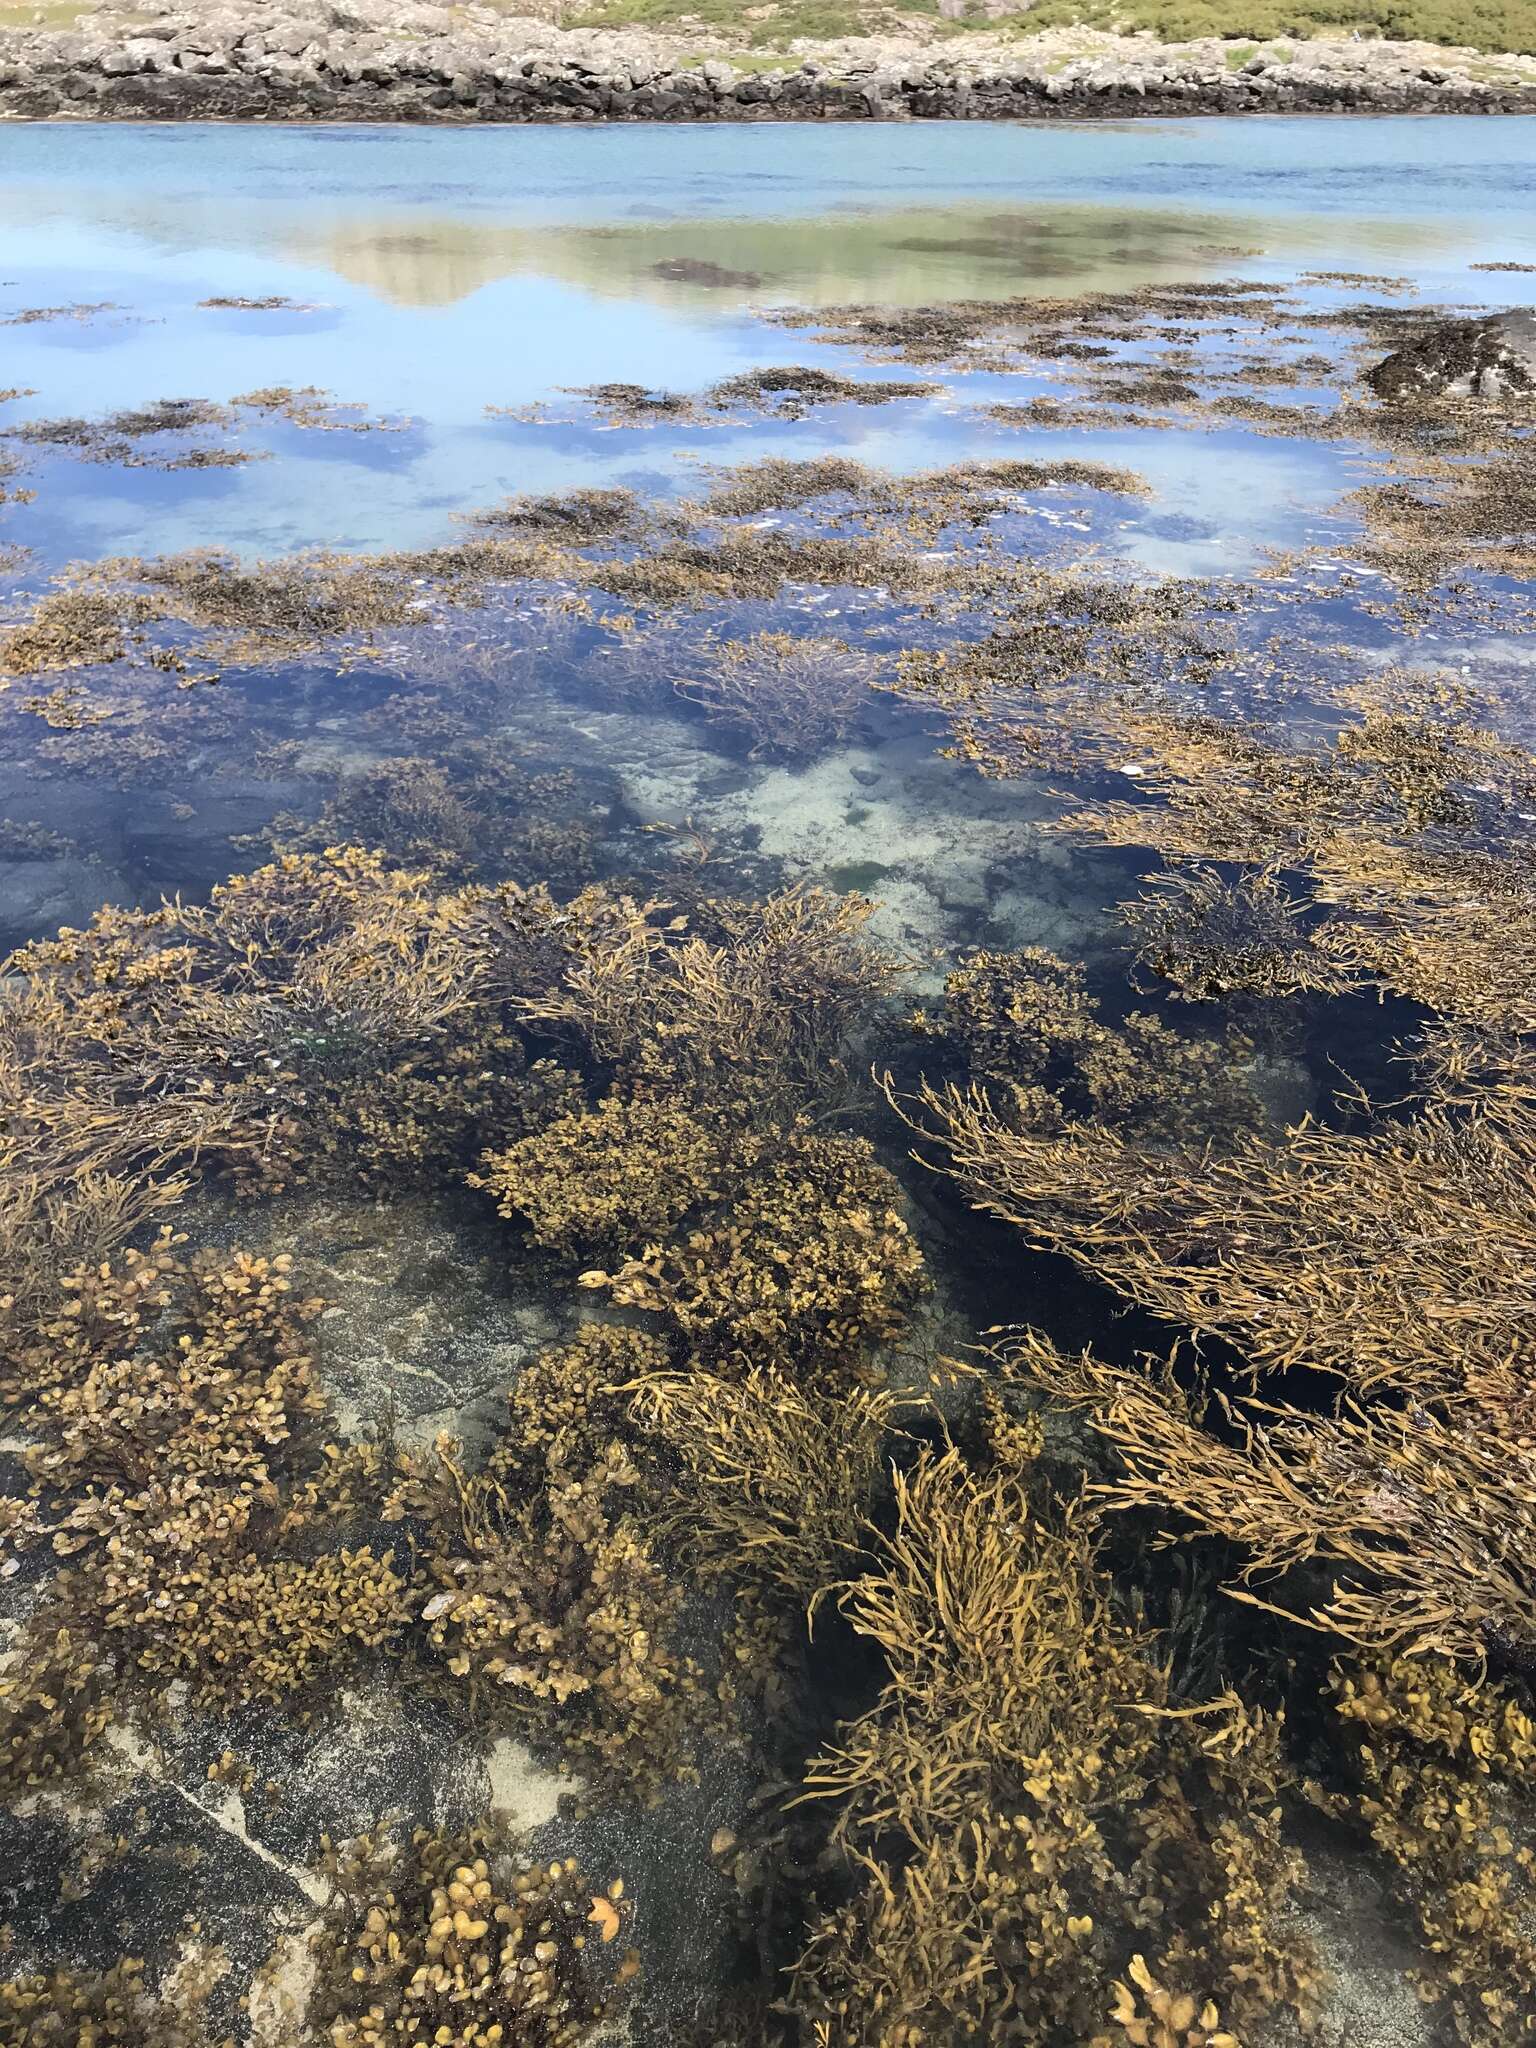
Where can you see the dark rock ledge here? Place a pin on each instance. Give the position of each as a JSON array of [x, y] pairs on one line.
[[425, 63]]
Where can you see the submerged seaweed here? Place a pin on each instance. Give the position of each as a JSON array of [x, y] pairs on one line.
[[1019, 1783]]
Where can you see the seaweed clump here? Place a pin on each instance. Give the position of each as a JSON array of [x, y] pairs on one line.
[[596, 513], [755, 1003], [741, 563], [1030, 1817], [113, 2008], [69, 629], [790, 697], [213, 1535], [471, 811], [1431, 1761], [1241, 942], [745, 1243], [332, 1015], [791, 390], [1033, 1036], [1389, 1527], [549, 1610], [326, 1013], [921, 506], [1452, 515], [458, 1941], [698, 1178], [1359, 1454], [777, 483], [768, 1479], [182, 1472], [1406, 828]]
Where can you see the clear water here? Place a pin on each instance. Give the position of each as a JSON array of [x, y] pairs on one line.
[[438, 274], [449, 271]]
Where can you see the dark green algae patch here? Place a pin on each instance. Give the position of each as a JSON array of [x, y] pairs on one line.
[[605, 1430]]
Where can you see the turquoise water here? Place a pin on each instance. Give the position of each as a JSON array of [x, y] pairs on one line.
[[445, 272]]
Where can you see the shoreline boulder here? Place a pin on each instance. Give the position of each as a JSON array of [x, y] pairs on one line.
[[1494, 357]]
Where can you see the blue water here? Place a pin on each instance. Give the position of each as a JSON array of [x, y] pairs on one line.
[[444, 272], [1383, 167]]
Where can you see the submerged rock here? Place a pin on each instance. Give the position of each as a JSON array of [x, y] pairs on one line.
[[38, 896], [1490, 358], [698, 270]]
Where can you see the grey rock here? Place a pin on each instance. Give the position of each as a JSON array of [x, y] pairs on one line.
[[37, 897], [1490, 358], [410, 60], [66, 50]]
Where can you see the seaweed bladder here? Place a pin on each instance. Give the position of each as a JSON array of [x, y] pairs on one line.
[[463, 1941]]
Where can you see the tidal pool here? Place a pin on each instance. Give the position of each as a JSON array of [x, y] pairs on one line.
[[444, 273], [703, 769]]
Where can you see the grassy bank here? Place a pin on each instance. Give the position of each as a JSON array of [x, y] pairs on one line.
[[1493, 25]]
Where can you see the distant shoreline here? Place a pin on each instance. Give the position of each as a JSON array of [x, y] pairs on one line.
[[264, 66], [556, 114]]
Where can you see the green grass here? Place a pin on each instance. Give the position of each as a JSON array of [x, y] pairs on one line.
[[1494, 26], [1503, 25], [53, 15], [1489, 25], [815, 20]]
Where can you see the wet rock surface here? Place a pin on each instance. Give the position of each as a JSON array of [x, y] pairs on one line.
[[425, 1327], [1490, 358], [195, 1840], [427, 63]]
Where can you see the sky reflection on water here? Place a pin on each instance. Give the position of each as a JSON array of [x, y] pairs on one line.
[[451, 270]]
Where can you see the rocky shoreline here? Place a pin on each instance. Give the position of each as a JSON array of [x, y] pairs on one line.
[[430, 63]]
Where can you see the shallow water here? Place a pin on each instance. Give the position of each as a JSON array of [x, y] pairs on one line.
[[451, 290], [446, 272], [557, 718]]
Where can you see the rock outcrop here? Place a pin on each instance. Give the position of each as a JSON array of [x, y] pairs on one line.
[[1490, 358], [427, 63]]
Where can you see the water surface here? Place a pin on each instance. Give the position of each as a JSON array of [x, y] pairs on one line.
[[446, 271], [539, 721]]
